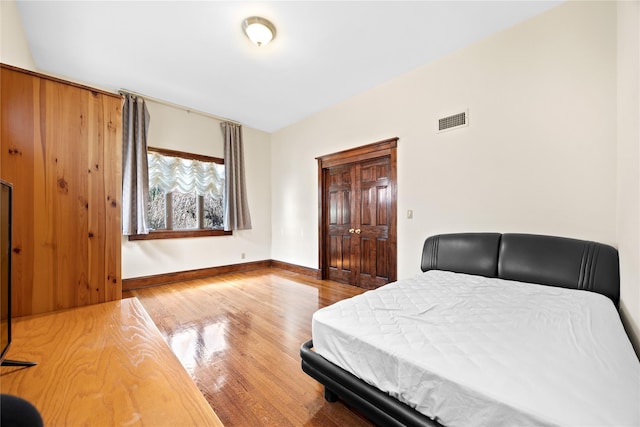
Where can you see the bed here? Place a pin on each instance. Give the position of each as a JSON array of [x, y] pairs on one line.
[[499, 329]]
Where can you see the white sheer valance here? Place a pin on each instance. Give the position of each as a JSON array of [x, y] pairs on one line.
[[185, 175]]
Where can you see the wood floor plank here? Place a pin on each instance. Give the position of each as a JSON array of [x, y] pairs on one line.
[[238, 335]]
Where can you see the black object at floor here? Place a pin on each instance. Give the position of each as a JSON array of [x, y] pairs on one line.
[[17, 412]]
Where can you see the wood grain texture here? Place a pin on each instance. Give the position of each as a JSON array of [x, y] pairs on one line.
[[238, 335], [104, 364], [358, 192], [61, 149]]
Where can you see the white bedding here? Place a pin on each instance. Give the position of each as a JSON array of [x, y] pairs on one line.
[[467, 350]]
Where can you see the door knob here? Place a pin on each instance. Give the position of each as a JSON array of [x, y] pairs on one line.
[[358, 231], [351, 230]]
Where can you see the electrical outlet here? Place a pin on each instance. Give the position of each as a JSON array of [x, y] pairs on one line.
[[242, 255], [409, 214]]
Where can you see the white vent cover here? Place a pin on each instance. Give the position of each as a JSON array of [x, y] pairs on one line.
[[453, 121]]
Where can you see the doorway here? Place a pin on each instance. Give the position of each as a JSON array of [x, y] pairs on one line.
[[357, 225]]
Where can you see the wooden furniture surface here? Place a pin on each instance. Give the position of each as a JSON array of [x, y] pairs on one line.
[[61, 148], [104, 364]]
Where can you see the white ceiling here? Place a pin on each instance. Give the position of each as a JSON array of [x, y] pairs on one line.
[[195, 53]]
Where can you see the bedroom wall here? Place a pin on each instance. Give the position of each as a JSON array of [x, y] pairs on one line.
[[178, 129], [545, 151], [539, 154], [14, 49], [629, 166]]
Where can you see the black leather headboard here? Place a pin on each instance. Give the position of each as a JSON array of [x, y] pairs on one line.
[[547, 260]]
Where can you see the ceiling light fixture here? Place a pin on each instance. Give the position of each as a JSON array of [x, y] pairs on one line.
[[259, 30]]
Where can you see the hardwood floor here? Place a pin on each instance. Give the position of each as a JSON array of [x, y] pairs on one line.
[[238, 336]]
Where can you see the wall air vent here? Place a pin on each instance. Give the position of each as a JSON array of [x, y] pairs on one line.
[[454, 121]]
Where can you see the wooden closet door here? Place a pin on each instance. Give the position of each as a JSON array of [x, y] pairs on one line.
[[373, 202], [358, 215], [62, 150], [340, 182]]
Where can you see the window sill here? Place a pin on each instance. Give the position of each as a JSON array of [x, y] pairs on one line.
[[179, 234]]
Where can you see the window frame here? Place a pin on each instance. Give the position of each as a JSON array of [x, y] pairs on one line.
[[177, 234]]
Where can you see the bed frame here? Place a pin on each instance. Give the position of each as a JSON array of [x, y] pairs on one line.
[[545, 260]]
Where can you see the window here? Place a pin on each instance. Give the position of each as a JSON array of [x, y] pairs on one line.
[[186, 195]]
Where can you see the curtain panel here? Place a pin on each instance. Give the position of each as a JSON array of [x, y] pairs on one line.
[[135, 175], [236, 212]]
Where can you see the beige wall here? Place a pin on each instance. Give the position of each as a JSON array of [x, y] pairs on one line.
[[177, 129], [539, 155], [14, 49], [545, 151], [629, 166]]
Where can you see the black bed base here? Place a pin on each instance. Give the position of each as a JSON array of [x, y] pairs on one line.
[[545, 260], [379, 407]]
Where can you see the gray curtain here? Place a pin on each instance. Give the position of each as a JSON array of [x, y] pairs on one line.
[[135, 175], [236, 211]]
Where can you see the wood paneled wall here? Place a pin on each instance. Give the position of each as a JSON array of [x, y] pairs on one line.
[[62, 150]]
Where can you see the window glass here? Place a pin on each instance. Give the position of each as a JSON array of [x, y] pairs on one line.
[[185, 193], [184, 210], [157, 208], [213, 212]]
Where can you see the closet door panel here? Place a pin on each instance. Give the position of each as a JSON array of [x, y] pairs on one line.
[[20, 137], [358, 214], [61, 146], [104, 197], [374, 205], [65, 145], [339, 181]]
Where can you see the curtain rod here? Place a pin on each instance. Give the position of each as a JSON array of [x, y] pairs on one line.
[[171, 104]]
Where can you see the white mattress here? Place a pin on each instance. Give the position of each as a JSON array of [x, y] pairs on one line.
[[470, 351]]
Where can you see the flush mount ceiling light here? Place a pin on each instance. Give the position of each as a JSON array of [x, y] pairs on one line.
[[259, 30]]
